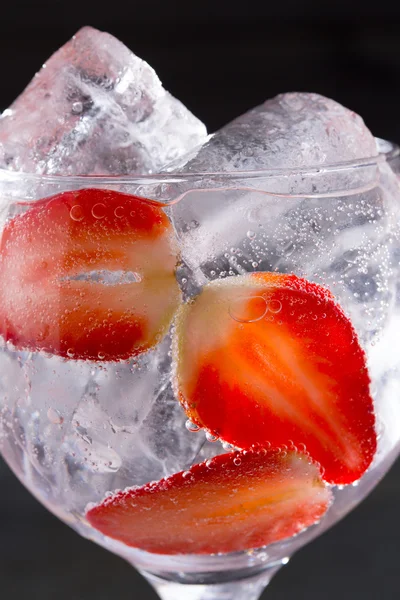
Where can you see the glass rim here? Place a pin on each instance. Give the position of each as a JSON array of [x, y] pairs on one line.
[[387, 152]]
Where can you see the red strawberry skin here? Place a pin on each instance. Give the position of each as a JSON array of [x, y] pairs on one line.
[[54, 262], [234, 502], [272, 359]]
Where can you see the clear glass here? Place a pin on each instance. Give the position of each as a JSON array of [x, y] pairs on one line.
[[73, 430]]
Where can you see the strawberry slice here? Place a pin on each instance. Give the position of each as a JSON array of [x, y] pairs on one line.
[[235, 501], [271, 359], [88, 274]]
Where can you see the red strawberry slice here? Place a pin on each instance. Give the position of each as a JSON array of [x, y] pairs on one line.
[[272, 359], [88, 274], [236, 501]]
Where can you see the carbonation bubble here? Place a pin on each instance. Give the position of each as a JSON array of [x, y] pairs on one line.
[[99, 211], [119, 211], [77, 108], [76, 213], [248, 309], [275, 306], [191, 426], [227, 447]]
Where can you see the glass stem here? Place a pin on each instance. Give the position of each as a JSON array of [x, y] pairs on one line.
[[250, 588]]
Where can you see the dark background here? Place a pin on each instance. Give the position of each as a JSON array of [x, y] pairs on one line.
[[219, 60]]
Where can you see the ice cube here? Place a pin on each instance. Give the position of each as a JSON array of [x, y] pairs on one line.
[[296, 131], [331, 226], [127, 429], [37, 395], [291, 131], [95, 108], [74, 429]]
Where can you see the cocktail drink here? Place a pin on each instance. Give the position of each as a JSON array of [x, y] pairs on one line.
[[198, 360]]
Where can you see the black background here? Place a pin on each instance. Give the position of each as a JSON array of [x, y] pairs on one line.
[[220, 60]]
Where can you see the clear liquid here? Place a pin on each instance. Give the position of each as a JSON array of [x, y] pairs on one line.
[[75, 430]]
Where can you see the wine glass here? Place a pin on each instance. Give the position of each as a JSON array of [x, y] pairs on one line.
[[197, 370]]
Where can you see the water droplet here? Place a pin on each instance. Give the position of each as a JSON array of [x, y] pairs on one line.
[[119, 211], [191, 426], [251, 234], [275, 306], [101, 355], [54, 416], [76, 213], [237, 461], [248, 309], [186, 474], [70, 352], [209, 463], [211, 437], [99, 211]]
